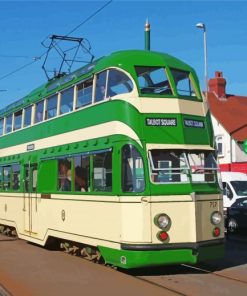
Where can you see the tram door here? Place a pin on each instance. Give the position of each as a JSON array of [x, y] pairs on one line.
[[30, 198]]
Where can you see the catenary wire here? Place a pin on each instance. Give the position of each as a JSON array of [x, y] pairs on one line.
[[40, 57]]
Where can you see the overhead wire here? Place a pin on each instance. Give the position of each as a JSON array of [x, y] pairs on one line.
[[35, 59]]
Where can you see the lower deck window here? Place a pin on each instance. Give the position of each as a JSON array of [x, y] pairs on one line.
[[10, 177], [102, 172], [16, 177], [6, 177], [81, 173], [132, 170], [64, 174]]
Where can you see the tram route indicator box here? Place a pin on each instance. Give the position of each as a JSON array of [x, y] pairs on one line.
[[194, 123], [161, 121]]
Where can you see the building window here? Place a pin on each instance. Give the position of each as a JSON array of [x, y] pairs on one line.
[[220, 146]]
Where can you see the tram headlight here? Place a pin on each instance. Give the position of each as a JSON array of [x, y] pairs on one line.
[[162, 221], [216, 218]]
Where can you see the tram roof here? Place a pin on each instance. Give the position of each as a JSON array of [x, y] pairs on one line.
[[125, 59]]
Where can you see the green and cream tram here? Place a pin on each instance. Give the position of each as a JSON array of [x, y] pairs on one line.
[[117, 157]]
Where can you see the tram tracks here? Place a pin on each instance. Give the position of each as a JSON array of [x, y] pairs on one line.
[[214, 273], [188, 280], [176, 292]]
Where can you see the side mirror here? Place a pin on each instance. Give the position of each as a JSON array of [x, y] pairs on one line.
[[229, 193]]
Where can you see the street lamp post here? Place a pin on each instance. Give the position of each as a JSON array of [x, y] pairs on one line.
[[203, 27]]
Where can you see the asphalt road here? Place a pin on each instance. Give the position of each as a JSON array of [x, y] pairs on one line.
[[27, 269]]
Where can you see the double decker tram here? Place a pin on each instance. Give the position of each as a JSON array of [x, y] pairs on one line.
[[117, 157]]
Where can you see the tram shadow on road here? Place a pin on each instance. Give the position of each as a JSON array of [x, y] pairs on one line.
[[235, 255]]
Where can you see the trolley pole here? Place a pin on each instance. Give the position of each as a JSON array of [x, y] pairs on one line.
[[147, 35]]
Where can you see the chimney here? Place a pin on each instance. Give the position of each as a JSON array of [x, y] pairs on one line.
[[217, 85]]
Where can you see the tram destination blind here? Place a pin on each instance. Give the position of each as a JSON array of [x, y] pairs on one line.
[[161, 121]]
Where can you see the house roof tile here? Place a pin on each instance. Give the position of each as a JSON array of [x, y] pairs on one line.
[[231, 112]]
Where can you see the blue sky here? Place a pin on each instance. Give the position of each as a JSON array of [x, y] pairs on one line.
[[25, 24]]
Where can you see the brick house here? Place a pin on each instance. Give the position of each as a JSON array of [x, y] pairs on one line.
[[229, 117]]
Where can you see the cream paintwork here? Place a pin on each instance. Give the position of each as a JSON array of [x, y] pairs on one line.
[[178, 146], [96, 131], [166, 105], [190, 220], [108, 220]]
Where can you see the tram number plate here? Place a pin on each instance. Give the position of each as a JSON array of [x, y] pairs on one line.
[[213, 204]]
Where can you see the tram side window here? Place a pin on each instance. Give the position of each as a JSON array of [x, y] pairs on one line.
[[39, 111], [15, 176], [84, 93], [100, 91], [132, 170], [17, 120], [102, 172], [6, 177], [183, 83], [1, 178], [1, 126], [28, 116], [51, 107], [67, 97], [64, 174], [81, 173], [8, 127], [153, 80], [118, 83]]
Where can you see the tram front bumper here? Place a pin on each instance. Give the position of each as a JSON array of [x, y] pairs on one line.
[[137, 256]]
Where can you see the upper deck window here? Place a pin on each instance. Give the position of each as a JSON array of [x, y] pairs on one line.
[[8, 127], [84, 93], [67, 100], [100, 91], [28, 116], [118, 83], [183, 83], [39, 111], [110, 83], [153, 80], [1, 126], [51, 107], [17, 120]]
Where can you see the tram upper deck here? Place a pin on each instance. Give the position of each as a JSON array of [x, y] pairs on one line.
[[127, 82]]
